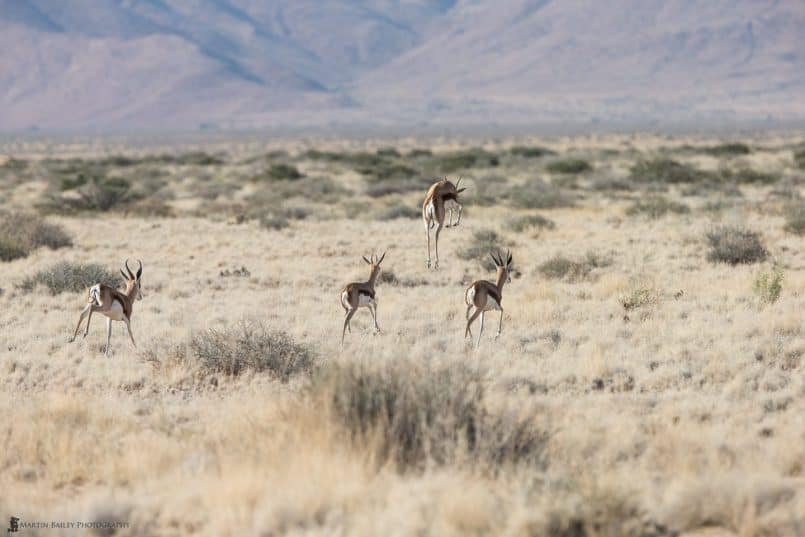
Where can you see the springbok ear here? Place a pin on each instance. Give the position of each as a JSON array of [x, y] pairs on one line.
[[367, 261], [139, 270], [382, 257], [460, 190], [509, 261], [495, 259]]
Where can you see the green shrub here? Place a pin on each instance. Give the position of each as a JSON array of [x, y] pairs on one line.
[[656, 207], [795, 219], [799, 159], [21, 233], [419, 414], [768, 285], [665, 170], [388, 152], [530, 151], [569, 165], [67, 276], [531, 221], [748, 175], [250, 346], [735, 245], [537, 194], [728, 149], [417, 153], [455, 161], [280, 172], [561, 267]]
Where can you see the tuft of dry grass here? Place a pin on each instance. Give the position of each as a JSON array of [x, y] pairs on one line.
[[21, 233], [735, 245]]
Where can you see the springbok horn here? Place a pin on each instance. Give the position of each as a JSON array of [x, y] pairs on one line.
[[382, 257], [139, 270], [131, 275], [367, 261]]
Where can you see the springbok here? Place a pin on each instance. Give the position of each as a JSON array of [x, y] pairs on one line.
[[442, 195], [361, 294], [485, 296], [115, 305]]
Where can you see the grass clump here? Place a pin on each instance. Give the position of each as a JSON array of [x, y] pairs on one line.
[[735, 245], [482, 243], [666, 170], [569, 166], [250, 346], [561, 267], [66, 276], [21, 233], [520, 224], [656, 207], [769, 284], [397, 210], [418, 414], [795, 219], [638, 296]]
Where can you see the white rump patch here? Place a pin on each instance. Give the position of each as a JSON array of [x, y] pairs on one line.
[[470, 296], [491, 304], [115, 311], [430, 210], [365, 300], [451, 205]]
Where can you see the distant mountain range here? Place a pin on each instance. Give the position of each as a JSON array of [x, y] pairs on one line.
[[179, 64]]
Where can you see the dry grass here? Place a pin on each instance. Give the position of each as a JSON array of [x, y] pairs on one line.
[[653, 399]]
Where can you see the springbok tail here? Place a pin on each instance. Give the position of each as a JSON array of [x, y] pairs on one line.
[[95, 294]]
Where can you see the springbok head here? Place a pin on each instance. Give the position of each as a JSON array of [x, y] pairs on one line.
[[133, 281], [503, 265]]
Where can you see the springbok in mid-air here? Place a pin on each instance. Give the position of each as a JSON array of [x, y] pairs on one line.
[[114, 304], [485, 296], [442, 195], [361, 294]]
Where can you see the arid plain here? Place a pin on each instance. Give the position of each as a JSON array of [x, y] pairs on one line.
[[648, 380]]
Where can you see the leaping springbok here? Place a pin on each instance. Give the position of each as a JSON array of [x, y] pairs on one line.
[[485, 296], [115, 305], [361, 294], [442, 195]]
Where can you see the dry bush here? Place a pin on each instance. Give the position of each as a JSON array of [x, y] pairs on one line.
[[735, 245], [561, 267], [419, 414], [71, 277], [519, 224], [569, 166], [537, 194], [21, 233], [250, 346], [656, 207]]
